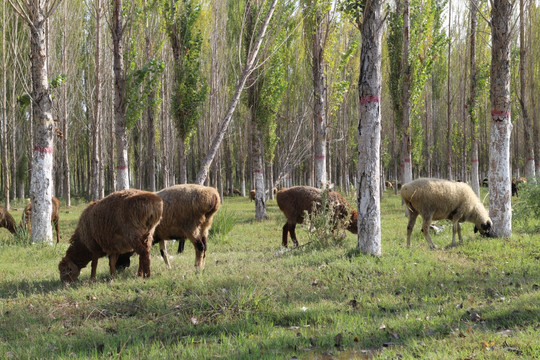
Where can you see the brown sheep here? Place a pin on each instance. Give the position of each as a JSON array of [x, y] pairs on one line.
[[437, 199], [121, 222], [294, 201], [252, 195], [6, 220], [389, 185], [188, 212], [26, 221]]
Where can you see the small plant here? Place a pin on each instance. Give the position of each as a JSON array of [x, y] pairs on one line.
[[325, 228], [526, 211], [22, 236], [224, 222]]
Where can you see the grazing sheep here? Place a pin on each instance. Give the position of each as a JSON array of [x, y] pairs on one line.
[[252, 195], [294, 201], [237, 192], [188, 212], [6, 220], [26, 221], [436, 199], [389, 185], [121, 222]]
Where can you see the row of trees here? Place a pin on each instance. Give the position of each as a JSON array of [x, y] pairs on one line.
[[149, 93]]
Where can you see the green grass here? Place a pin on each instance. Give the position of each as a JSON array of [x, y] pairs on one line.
[[256, 300]]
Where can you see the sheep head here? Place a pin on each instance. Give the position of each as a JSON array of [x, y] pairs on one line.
[[353, 223], [69, 272], [484, 228]]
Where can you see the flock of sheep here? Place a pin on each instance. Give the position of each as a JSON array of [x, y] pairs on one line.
[[130, 221]]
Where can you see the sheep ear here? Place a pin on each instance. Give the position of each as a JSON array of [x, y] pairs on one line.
[[475, 229]]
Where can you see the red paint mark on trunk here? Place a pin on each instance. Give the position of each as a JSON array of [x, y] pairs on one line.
[[44, 150], [369, 99]]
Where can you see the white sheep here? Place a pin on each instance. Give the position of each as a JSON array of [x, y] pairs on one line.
[[437, 199]]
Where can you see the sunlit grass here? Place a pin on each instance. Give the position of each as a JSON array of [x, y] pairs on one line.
[[257, 300]]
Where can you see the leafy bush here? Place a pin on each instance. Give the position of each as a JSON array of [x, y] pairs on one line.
[[224, 222], [527, 209], [324, 226]]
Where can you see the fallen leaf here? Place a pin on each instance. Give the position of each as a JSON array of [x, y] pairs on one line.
[[382, 327], [356, 339], [194, 321]]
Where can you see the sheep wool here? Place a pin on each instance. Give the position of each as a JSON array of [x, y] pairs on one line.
[[438, 199], [188, 212], [6, 220], [121, 222]]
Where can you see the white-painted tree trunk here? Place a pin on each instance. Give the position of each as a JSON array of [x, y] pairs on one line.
[[122, 175], [41, 182], [319, 106], [500, 205], [369, 131]]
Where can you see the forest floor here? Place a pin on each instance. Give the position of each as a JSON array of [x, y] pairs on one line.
[[258, 300]]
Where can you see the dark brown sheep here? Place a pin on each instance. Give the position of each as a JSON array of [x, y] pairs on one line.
[[26, 221], [121, 222], [296, 200], [252, 195], [188, 212], [6, 220]]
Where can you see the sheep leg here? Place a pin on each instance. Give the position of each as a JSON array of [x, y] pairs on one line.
[[181, 243], [292, 230], [142, 249], [410, 226], [200, 251], [113, 258], [94, 268], [459, 233], [425, 230], [285, 236], [57, 232], [164, 254]]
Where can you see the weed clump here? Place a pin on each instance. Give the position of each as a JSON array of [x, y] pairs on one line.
[[324, 225]]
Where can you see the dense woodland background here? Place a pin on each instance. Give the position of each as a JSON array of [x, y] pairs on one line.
[[178, 93]]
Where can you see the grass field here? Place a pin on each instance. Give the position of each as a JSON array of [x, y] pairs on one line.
[[257, 300]]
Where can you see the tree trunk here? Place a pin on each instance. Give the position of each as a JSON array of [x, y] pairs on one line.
[[96, 128], [527, 126], [65, 150], [500, 208], [449, 102], [5, 163], [248, 68], [320, 133], [475, 181], [182, 163], [41, 183], [258, 172], [369, 131], [406, 164], [150, 162], [119, 99]]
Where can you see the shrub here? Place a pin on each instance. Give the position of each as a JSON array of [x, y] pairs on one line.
[[323, 226], [526, 211]]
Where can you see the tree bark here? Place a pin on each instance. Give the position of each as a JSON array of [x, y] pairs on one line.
[[475, 181], [96, 128], [65, 150], [5, 140], [449, 102], [530, 168], [120, 98], [319, 107], [406, 164], [500, 208], [369, 131], [41, 183]]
